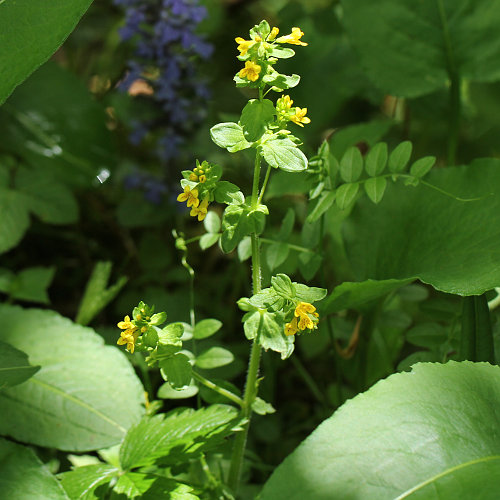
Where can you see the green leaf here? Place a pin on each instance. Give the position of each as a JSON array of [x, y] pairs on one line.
[[284, 154], [136, 485], [422, 166], [51, 201], [209, 239], [476, 337], [261, 407], [351, 165], [24, 477], [176, 370], [214, 358], [14, 366], [81, 483], [30, 34], [167, 392], [14, 216], [287, 225], [309, 293], [375, 188], [350, 295], [97, 293], [70, 413], [282, 52], [234, 227], [177, 437], [255, 118], [447, 243], [324, 203], [281, 82], [245, 249], [276, 254], [400, 157], [212, 222], [31, 284], [431, 428], [345, 195], [399, 41], [431, 335], [376, 159], [226, 192], [283, 286], [206, 328], [229, 136]]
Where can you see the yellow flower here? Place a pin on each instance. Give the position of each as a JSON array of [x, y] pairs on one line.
[[200, 211], [129, 336], [191, 196], [251, 71], [308, 317], [300, 117], [293, 37], [291, 328], [202, 179], [244, 45], [273, 34], [193, 177]]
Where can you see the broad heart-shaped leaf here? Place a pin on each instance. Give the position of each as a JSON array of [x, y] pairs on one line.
[[177, 436], [85, 396], [255, 117], [24, 477], [284, 154], [407, 435], [406, 46], [14, 366], [82, 482], [421, 233], [230, 136], [38, 123], [30, 33]]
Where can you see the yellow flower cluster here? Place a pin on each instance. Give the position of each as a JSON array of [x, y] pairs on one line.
[[198, 175], [129, 336], [284, 108], [305, 317], [252, 70], [199, 209]]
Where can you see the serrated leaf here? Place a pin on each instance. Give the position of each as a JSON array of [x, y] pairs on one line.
[[284, 154], [212, 222], [176, 370], [81, 483], [214, 357], [345, 195], [63, 401], [351, 165], [276, 254], [376, 159], [177, 436], [255, 117], [446, 412], [400, 157], [375, 188], [283, 286], [30, 34], [206, 328], [229, 193], [14, 366], [324, 203], [24, 477], [422, 166], [229, 136]]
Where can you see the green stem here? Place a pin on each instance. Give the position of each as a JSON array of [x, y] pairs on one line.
[[264, 184], [251, 386], [313, 387], [220, 390], [292, 247]]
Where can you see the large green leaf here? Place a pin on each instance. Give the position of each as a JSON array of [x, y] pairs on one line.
[[408, 47], [24, 477], [53, 123], [30, 32], [421, 233], [407, 437], [82, 482], [85, 396]]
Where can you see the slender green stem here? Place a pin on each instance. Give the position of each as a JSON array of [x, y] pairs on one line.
[[310, 382], [264, 184], [251, 386], [220, 390], [292, 247], [193, 239]]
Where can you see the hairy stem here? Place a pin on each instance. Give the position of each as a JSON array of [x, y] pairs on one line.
[[219, 390]]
